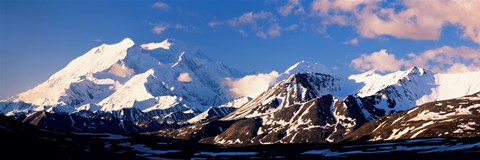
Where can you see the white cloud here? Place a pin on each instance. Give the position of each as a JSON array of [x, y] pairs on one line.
[[406, 19], [447, 59], [291, 27], [274, 30], [181, 26], [260, 34], [405, 24], [161, 6], [444, 59], [353, 41], [381, 61], [251, 85], [184, 77], [242, 32], [98, 40], [323, 7], [215, 23], [292, 6], [262, 24], [185, 28], [159, 29], [459, 68], [412, 19], [251, 18]]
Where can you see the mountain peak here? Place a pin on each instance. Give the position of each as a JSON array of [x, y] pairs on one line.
[[305, 66], [416, 71], [297, 88], [393, 77], [127, 41]]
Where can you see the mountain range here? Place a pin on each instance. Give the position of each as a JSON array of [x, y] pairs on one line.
[[167, 90]]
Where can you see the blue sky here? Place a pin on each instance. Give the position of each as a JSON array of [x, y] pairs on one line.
[[39, 38]]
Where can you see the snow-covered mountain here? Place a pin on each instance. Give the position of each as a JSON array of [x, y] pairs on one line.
[[402, 90], [295, 89], [124, 75]]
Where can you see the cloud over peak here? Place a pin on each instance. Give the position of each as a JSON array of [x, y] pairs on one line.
[[444, 59], [251, 85], [381, 61]]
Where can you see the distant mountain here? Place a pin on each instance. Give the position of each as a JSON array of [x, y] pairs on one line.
[[125, 75], [148, 77]]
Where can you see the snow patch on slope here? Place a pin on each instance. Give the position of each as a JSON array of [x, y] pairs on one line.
[[152, 46], [448, 86], [426, 115]]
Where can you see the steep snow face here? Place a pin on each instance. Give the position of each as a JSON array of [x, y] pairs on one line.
[[305, 66], [397, 91], [220, 111], [448, 86], [210, 113], [132, 91], [79, 71], [375, 82], [237, 103]]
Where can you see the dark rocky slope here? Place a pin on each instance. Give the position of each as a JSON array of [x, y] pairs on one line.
[[459, 117]]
